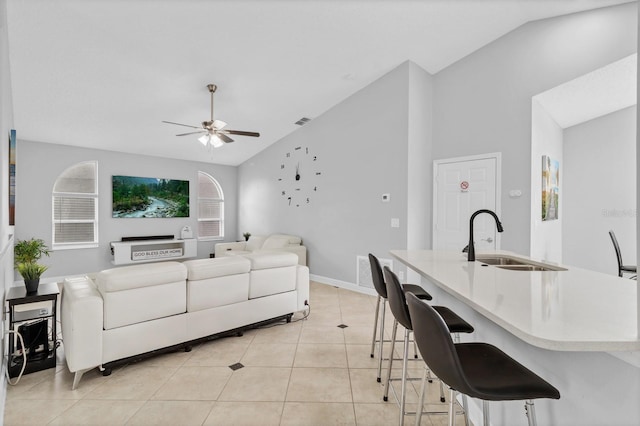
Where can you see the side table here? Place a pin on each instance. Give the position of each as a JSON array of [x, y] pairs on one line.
[[37, 322]]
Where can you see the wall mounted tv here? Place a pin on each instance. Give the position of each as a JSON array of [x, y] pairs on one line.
[[149, 197]]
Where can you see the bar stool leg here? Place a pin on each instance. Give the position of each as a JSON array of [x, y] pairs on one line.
[[405, 359], [375, 327], [421, 397], [531, 412], [452, 411], [393, 343], [465, 408], [485, 413], [384, 309]]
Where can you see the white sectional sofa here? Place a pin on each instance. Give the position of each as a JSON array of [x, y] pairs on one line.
[[133, 310], [261, 244]]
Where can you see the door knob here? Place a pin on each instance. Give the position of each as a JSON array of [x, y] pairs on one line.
[[488, 239]]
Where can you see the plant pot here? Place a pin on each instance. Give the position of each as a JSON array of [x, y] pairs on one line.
[[32, 285]]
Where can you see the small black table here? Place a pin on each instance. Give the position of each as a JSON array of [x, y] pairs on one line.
[[42, 352]]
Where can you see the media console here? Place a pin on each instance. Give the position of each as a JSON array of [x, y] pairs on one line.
[[144, 251]]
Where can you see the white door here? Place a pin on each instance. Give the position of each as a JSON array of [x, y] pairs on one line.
[[462, 186]]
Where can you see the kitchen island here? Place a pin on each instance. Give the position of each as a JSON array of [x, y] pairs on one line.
[[578, 329]]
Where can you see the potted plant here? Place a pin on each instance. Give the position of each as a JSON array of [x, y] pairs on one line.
[[246, 236], [26, 256]]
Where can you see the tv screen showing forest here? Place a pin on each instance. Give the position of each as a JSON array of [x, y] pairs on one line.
[[149, 197]]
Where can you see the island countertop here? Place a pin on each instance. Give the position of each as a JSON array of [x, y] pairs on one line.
[[568, 310]]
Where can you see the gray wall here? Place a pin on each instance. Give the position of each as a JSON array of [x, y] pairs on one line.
[[546, 139], [39, 164], [599, 191], [482, 103], [362, 150]]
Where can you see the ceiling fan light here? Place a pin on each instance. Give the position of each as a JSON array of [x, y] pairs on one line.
[[219, 124], [216, 141], [204, 139]]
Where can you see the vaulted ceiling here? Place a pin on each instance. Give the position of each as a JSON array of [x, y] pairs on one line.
[[105, 73]]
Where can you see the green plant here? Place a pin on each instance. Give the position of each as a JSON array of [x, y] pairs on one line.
[[26, 256], [31, 270], [246, 236], [29, 251]]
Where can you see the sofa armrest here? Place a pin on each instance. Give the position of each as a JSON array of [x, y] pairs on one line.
[[221, 248], [81, 320]]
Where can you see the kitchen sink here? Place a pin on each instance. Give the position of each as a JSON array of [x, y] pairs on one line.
[[515, 264], [499, 260], [525, 268]]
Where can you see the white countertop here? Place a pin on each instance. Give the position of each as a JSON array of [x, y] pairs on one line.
[[572, 310]]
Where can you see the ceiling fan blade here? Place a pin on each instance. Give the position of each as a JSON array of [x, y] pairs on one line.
[[191, 133], [224, 137], [242, 133], [180, 124], [219, 124]]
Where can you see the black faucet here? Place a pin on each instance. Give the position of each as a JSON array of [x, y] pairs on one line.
[[470, 247]]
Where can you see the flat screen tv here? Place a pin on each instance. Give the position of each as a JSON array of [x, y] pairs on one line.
[[149, 197]]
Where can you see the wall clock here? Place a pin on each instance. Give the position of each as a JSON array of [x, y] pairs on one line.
[[299, 176]]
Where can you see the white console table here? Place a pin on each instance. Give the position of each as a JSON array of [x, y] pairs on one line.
[[144, 251]]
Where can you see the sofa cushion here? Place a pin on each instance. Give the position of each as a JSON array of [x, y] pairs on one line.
[[150, 274], [272, 273], [210, 268], [218, 291], [217, 282], [255, 243], [293, 240], [138, 293], [272, 259], [279, 241]]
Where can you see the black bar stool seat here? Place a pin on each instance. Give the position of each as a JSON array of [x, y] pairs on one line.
[[455, 324], [481, 361], [420, 292]]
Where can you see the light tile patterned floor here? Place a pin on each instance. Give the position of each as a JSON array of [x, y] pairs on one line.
[[309, 372]]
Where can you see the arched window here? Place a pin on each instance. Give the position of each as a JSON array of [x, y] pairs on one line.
[[210, 208], [75, 207]]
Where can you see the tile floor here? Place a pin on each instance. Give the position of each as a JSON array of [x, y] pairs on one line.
[[309, 372]]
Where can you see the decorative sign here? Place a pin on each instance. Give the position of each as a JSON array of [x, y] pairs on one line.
[[464, 186], [156, 254]]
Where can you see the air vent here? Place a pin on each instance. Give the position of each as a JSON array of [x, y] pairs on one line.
[[302, 121], [363, 270]]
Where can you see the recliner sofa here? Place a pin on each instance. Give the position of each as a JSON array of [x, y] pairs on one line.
[[133, 310], [261, 243]]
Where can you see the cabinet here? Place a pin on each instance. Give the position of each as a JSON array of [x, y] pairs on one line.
[[142, 251], [34, 316]]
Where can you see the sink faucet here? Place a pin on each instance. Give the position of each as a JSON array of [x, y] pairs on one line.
[[470, 247]]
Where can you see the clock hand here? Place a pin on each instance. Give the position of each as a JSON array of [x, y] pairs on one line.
[[298, 171]]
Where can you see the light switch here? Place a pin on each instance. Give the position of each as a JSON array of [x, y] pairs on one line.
[[395, 222]]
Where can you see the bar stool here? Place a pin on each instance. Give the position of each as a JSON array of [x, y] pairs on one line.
[[381, 289], [398, 306], [478, 370]]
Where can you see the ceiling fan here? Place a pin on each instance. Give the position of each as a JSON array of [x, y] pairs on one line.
[[214, 132]]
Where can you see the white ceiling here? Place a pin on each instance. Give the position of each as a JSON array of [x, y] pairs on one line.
[[105, 73]]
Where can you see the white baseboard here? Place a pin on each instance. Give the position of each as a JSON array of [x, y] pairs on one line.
[[342, 284]]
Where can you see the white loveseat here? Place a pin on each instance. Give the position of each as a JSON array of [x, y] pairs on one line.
[[261, 244], [134, 310]]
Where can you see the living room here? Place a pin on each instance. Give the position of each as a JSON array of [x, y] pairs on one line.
[[381, 139]]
